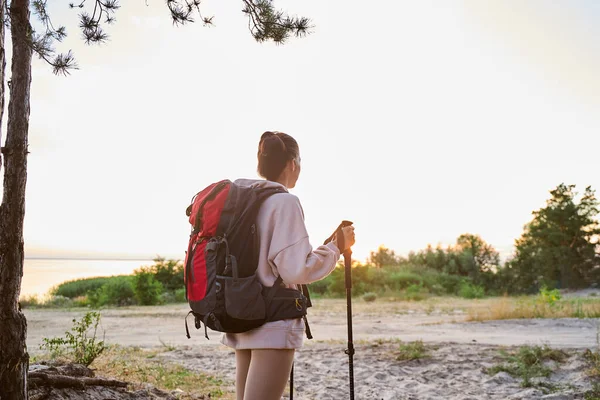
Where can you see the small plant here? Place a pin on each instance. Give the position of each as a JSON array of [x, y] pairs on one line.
[[167, 346], [82, 348], [369, 297], [549, 296], [593, 394], [411, 351], [593, 357], [529, 362]]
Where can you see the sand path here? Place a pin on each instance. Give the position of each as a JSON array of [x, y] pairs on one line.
[[148, 326]]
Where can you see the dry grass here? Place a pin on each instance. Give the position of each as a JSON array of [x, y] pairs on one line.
[[139, 366], [534, 307]]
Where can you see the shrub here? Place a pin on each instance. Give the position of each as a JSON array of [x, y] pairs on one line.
[[412, 351], [450, 283], [549, 296], [58, 302], [470, 291], [416, 292], [146, 288], [320, 287], [169, 273], [30, 301], [81, 301], [180, 296], [77, 343], [403, 279], [79, 287], [369, 297], [117, 291]]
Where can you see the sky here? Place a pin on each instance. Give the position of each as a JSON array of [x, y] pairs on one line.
[[417, 120]]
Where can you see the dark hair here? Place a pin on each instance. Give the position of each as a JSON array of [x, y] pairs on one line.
[[275, 149]]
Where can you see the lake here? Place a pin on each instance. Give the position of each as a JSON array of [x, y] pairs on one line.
[[42, 274]]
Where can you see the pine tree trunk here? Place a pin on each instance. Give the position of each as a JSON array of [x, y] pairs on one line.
[[14, 360], [2, 76]]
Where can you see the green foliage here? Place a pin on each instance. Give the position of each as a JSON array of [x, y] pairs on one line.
[[162, 282], [471, 257], [147, 288], [416, 292], [411, 351], [529, 362], [594, 393], [369, 297], [321, 287], [117, 291], [83, 348], [549, 296], [403, 279], [79, 287], [169, 273], [470, 291], [558, 247]]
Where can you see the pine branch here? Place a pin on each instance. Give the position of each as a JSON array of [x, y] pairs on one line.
[[182, 12], [264, 23], [267, 23]]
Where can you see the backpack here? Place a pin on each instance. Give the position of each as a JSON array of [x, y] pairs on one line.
[[222, 288]]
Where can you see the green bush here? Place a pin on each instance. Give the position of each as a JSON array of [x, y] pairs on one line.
[[369, 297], [180, 296], [118, 291], [147, 289], [450, 283], [416, 292], [79, 287], [169, 273], [549, 296], [320, 287], [404, 279], [470, 291]]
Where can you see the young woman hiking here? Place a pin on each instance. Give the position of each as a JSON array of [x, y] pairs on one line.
[[264, 355]]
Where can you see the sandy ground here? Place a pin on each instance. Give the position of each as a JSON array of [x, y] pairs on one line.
[[454, 370]]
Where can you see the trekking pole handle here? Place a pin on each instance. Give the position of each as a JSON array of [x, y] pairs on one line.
[[340, 234]]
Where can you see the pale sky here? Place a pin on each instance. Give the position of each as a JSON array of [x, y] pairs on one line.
[[444, 117]]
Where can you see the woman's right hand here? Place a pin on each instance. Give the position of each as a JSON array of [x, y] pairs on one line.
[[349, 238]]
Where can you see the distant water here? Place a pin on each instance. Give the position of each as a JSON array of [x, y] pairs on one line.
[[42, 274]]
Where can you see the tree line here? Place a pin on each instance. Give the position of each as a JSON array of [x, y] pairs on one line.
[[559, 248]]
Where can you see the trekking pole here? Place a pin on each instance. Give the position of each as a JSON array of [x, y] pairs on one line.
[[348, 277]]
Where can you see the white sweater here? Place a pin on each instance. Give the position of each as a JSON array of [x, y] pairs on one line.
[[285, 250]]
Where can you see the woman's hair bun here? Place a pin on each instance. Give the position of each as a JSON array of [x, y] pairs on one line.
[[275, 149], [271, 145]]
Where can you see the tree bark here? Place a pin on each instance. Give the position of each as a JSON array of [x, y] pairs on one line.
[[2, 69], [14, 359]]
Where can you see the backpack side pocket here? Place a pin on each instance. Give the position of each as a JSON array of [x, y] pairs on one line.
[[243, 298]]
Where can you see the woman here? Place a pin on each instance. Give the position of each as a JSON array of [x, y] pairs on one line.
[[264, 356]]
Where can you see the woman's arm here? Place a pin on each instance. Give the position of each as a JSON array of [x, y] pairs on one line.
[[291, 252]]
